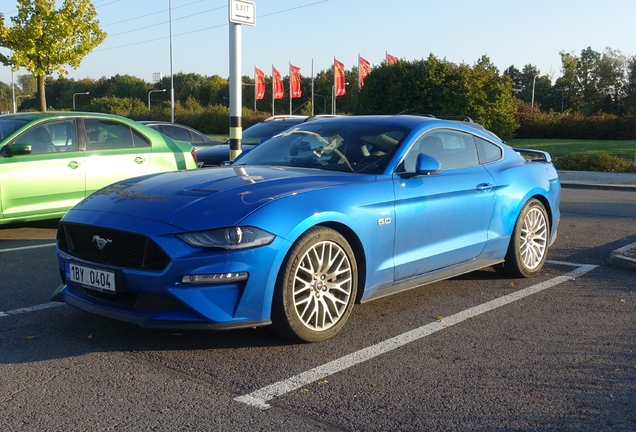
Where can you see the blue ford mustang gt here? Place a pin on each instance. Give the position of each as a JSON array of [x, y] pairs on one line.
[[323, 215]]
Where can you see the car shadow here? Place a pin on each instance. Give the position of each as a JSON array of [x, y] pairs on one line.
[[61, 332]]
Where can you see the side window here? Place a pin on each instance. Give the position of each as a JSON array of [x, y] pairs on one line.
[[196, 138], [105, 134], [177, 133], [453, 149], [139, 140], [487, 151], [62, 135], [50, 137]]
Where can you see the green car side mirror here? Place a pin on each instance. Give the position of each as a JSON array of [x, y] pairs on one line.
[[17, 149]]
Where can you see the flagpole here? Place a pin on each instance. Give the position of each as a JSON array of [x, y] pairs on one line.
[[272, 89], [358, 71], [290, 89], [254, 87], [333, 89], [312, 86]]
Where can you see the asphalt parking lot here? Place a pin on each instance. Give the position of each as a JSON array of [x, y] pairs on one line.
[[477, 352]]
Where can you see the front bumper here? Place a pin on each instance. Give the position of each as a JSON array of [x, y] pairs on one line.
[[182, 321]]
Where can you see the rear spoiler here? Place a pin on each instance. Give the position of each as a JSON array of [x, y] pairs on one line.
[[534, 155]]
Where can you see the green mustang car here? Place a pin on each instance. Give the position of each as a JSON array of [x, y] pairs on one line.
[[49, 161]]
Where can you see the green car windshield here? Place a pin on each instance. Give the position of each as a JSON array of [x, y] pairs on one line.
[[8, 126], [349, 147]]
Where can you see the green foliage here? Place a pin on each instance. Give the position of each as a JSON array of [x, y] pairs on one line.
[[44, 40], [208, 90], [28, 84], [569, 125], [6, 97], [442, 88], [594, 162], [192, 105], [126, 107], [306, 109]]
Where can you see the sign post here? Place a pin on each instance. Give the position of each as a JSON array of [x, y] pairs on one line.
[[240, 12]]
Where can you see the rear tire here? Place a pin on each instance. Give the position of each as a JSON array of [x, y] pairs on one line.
[[529, 242], [316, 287]]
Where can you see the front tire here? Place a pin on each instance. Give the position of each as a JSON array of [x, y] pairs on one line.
[[316, 288], [529, 243]]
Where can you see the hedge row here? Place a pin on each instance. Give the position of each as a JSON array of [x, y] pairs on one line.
[[534, 124], [213, 119], [594, 162], [538, 125]]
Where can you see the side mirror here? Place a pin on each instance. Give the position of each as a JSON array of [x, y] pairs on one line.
[[17, 149], [424, 165], [427, 165]]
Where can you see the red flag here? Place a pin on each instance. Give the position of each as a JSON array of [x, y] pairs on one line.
[[259, 79], [294, 81], [391, 59], [339, 78], [364, 67], [277, 84]]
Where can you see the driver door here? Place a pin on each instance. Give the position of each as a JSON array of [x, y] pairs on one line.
[[442, 219]]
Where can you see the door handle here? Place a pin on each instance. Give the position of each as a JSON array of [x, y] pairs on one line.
[[74, 165], [484, 187], [139, 160]]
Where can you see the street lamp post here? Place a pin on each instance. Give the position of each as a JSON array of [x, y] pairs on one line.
[[75, 94], [324, 99], [533, 81], [153, 91], [248, 84], [562, 97], [20, 96]]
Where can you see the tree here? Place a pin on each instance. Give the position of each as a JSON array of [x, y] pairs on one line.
[[442, 88], [630, 86], [524, 81], [44, 40], [6, 97], [28, 84]]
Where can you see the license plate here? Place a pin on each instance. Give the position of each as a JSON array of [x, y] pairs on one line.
[[102, 280]]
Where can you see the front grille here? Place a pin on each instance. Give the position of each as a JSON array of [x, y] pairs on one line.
[[124, 299], [120, 248], [147, 302]]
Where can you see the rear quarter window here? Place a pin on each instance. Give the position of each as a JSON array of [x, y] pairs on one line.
[[487, 151]]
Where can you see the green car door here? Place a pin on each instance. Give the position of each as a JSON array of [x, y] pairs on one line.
[[42, 172], [50, 161], [114, 152]]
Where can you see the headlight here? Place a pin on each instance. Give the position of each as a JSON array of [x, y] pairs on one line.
[[232, 238]]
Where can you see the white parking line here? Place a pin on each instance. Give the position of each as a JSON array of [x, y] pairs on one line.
[[27, 247], [30, 309], [259, 398]]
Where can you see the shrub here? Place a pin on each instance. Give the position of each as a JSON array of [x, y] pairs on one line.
[[594, 162], [535, 124], [126, 107]]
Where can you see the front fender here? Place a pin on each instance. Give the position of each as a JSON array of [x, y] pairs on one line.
[[358, 207]]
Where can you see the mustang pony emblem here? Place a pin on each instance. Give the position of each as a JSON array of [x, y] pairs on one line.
[[101, 242]]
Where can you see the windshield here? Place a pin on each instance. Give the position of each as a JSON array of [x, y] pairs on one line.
[[263, 131], [342, 146], [8, 126]]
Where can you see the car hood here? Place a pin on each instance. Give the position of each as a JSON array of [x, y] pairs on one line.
[[209, 198], [221, 151]]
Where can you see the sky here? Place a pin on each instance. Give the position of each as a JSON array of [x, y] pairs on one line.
[[306, 32]]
